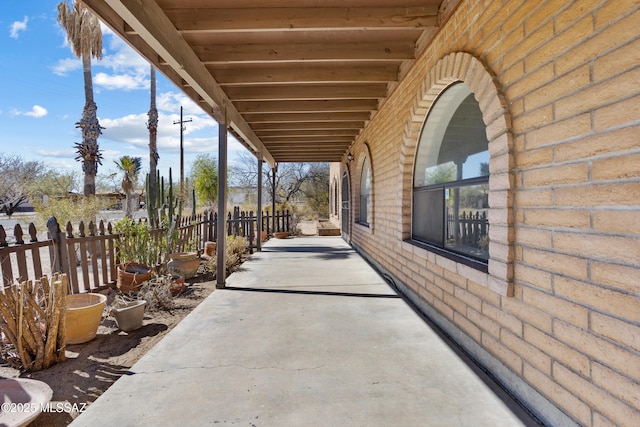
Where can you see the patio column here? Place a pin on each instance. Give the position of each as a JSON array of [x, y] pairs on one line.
[[221, 272], [274, 170], [259, 213]]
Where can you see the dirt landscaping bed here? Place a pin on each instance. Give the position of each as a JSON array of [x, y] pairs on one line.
[[91, 368]]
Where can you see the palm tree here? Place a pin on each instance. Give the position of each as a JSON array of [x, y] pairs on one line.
[[130, 167], [85, 38], [152, 125]]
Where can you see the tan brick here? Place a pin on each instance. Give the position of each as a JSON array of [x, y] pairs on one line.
[[620, 167], [617, 221], [566, 400], [620, 194], [559, 130], [607, 300], [556, 175], [615, 248], [560, 46], [624, 333], [484, 293], [457, 305], [617, 114], [502, 353], [558, 88], [531, 43], [556, 263], [623, 58], [503, 318], [597, 95], [484, 323], [467, 327], [573, 13], [468, 298], [533, 119], [528, 352], [537, 197], [533, 81], [557, 307], [535, 157], [620, 386], [600, 420], [598, 349], [598, 145], [443, 308], [556, 349], [528, 314], [533, 237], [532, 276], [595, 397], [615, 276], [558, 218]]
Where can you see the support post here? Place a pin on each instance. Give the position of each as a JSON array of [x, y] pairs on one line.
[[259, 212], [274, 170], [221, 273]]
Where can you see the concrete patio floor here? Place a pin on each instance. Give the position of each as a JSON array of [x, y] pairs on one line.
[[305, 334]]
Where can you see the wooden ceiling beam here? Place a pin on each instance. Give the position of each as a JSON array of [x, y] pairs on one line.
[[267, 135], [308, 92], [306, 126], [301, 18], [305, 75], [304, 117], [305, 52], [308, 106]]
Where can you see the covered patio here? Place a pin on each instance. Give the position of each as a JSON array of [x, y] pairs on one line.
[[307, 333]]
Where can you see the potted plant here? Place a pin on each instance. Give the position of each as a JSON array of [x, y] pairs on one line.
[[136, 253], [83, 316], [129, 314], [186, 262]]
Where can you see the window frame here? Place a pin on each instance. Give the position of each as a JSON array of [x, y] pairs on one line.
[[365, 215], [431, 244]]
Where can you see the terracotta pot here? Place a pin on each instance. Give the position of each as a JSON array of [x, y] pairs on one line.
[[210, 248], [264, 236], [130, 316], [132, 275], [281, 234], [184, 263], [84, 313], [177, 285]]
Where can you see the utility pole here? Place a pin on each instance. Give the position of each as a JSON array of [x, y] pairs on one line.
[[182, 128]]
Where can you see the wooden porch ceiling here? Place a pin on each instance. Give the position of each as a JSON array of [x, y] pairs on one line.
[[295, 80]]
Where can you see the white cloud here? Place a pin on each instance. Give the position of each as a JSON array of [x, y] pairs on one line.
[[65, 154], [123, 81], [64, 66], [36, 111], [18, 26]]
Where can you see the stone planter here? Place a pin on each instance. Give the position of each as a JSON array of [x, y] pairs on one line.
[[184, 263], [132, 275], [84, 313], [130, 316]]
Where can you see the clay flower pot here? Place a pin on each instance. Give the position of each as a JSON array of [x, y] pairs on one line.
[[177, 285], [281, 234], [132, 275], [129, 317], [84, 313], [210, 248], [184, 263]]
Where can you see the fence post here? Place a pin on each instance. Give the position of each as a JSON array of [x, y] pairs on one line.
[[58, 252]]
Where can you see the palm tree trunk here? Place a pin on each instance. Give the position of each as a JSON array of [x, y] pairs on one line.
[[88, 150], [153, 150]]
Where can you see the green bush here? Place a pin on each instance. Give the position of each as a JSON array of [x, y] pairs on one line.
[[65, 210]]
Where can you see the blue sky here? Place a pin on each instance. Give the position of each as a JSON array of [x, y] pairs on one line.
[[42, 97]]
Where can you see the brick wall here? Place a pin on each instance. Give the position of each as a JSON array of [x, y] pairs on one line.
[[560, 307]]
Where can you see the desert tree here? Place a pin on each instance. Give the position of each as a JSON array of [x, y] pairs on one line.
[[130, 168], [16, 177], [204, 178], [85, 38]]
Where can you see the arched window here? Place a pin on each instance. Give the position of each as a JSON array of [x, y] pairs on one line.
[[365, 194], [451, 177]]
